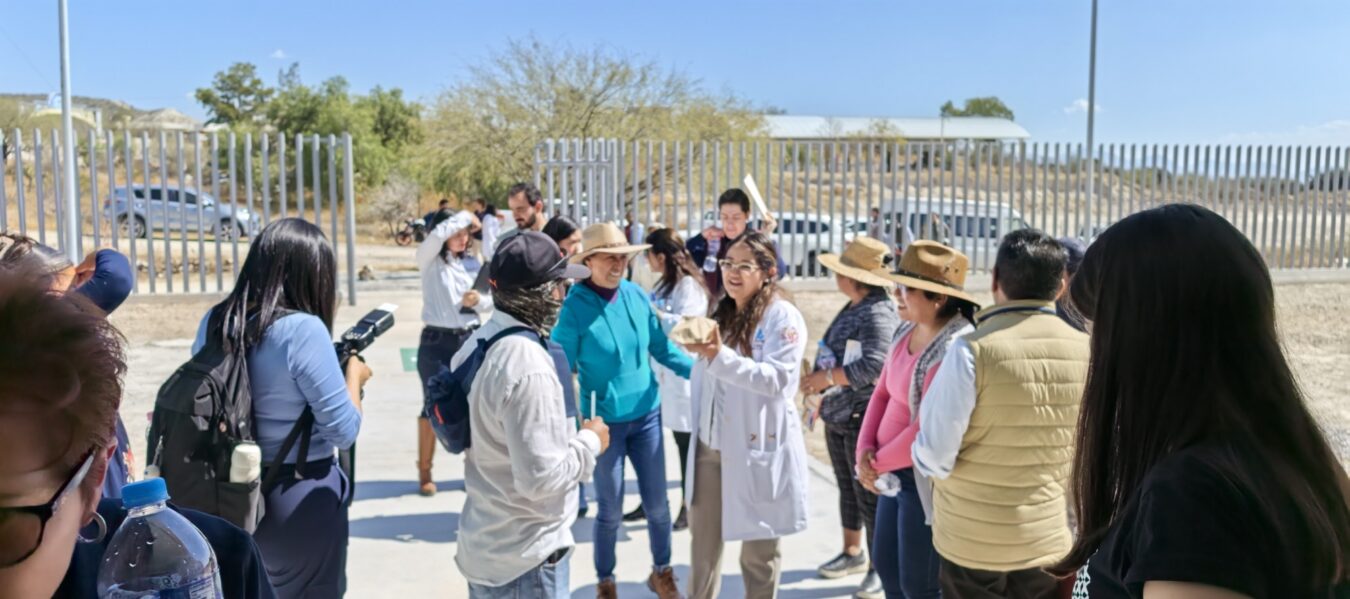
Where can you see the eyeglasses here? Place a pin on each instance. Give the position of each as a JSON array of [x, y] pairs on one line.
[[22, 528], [743, 268]]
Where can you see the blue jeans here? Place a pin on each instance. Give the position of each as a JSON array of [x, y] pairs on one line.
[[902, 552], [641, 441], [545, 581]]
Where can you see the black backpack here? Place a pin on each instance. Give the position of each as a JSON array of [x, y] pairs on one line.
[[202, 414], [447, 403]]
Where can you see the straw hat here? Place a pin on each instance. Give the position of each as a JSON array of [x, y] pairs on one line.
[[931, 266], [693, 330], [605, 238], [862, 257]]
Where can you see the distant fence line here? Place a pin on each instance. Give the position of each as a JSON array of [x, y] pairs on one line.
[[1290, 201], [182, 205]]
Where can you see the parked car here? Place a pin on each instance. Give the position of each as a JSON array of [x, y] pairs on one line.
[[974, 228], [801, 237], [139, 209]]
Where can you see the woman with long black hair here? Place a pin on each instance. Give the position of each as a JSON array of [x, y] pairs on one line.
[[282, 310], [1199, 471]]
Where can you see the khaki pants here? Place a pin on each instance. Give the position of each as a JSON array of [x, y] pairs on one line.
[[761, 563]]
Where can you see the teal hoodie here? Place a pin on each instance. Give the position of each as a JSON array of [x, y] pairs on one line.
[[611, 346]]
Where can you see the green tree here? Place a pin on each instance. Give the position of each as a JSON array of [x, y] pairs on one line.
[[397, 123], [985, 106], [14, 114], [481, 133], [236, 96]]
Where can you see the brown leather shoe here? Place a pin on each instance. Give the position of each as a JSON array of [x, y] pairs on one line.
[[664, 585], [606, 590]]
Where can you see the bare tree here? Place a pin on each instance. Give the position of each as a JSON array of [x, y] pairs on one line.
[[393, 201], [482, 133]]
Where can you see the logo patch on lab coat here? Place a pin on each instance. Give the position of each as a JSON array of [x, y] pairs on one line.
[[790, 335]]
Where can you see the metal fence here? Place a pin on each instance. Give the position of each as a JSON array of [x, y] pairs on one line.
[[1291, 202], [184, 206]]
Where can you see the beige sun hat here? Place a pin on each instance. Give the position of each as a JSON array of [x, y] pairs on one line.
[[605, 238], [931, 266], [860, 259]]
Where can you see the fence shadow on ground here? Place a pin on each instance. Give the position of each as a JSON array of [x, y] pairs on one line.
[[369, 490], [439, 527]]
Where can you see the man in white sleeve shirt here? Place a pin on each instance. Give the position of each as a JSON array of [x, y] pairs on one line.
[[997, 431], [527, 458]]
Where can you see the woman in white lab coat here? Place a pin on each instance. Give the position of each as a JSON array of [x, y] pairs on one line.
[[747, 469], [679, 293]]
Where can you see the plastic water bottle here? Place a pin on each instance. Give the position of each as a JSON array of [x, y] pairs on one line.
[[157, 553], [710, 261]]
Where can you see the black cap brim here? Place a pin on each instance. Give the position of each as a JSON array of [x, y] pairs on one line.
[[575, 271]]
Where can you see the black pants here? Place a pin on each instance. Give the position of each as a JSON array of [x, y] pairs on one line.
[[437, 347], [857, 506], [682, 443], [967, 583]]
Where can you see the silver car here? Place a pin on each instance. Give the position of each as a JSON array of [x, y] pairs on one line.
[[139, 209]]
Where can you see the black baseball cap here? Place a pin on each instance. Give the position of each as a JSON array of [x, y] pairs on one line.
[[530, 258]]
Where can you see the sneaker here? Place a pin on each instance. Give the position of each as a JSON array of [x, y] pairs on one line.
[[681, 521], [636, 515], [606, 590], [870, 587], [844, 565], [663, 584]]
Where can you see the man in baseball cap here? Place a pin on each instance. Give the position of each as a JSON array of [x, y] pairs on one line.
[[528, 458]]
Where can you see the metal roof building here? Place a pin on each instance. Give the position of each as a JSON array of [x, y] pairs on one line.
[[934, 128]]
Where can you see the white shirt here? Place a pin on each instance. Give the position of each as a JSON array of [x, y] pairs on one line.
[[945, 412], [527, 458], [444, 282], [492, 229], [687, 299]]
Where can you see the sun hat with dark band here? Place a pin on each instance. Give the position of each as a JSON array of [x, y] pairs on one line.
[[605, 238], [860, 259], [931, 266]]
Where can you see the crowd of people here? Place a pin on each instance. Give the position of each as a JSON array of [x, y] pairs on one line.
[[1121, 421]]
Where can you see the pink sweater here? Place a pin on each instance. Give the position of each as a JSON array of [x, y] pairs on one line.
[[887, 428]]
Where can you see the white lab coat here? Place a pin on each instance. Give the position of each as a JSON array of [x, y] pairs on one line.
[[764, 473], [687, 299]]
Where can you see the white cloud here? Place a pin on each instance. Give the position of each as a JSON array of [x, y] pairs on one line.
[[1080, 105], [279, 54], [1329, 133]]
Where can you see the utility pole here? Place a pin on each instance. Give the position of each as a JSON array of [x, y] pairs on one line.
[[71, 225]]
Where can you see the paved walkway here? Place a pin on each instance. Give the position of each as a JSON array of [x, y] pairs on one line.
[[403, 545]]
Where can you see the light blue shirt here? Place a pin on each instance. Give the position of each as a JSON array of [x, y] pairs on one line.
[[945, 412], [293, 366]]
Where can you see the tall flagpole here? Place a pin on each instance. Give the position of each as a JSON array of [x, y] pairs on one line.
[[71, 196]]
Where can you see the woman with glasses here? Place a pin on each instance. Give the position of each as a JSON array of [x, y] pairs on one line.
[[748, 477], [106, 278], [56, 440]]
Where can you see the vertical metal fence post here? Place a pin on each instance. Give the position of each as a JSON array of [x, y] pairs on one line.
[[349, 198], [201, 223]]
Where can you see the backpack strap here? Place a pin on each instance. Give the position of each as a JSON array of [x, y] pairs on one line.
[[303, 429], [507, 332]]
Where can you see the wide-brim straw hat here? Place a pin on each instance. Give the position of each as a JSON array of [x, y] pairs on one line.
[[860, 259], [605, 238], [931, 266]]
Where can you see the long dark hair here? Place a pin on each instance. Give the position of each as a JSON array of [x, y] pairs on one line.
[[738, 326], [290, 267], [676, 263], [1184, 353]]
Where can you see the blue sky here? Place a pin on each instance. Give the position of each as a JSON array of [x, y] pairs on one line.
[[1168, 70]]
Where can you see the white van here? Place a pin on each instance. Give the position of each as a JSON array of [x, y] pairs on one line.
[[974, 228]]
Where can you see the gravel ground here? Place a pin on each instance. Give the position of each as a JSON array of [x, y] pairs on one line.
[[1316, 336]]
